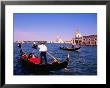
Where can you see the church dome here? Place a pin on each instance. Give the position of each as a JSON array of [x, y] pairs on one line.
[[78, 34]]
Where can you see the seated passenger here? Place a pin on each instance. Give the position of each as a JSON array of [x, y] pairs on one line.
[[29, 56], [72, 46], [24, 56], [35, 59], [33, 56]]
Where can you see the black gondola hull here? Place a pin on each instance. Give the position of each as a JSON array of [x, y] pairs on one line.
[[43, 67], [70, 49]]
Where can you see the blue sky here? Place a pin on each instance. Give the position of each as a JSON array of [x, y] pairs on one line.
[[48, 26]]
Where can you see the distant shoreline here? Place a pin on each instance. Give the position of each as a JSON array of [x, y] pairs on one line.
[[52, 43]]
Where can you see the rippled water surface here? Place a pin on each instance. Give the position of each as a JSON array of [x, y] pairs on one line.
[[82, 62]]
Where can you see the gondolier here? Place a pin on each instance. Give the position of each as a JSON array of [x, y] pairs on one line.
[[72, 46], [19, 44], [43, 50]]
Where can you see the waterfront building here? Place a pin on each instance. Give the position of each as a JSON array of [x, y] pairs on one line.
[[84, 40], [69, 41], [59, 40], [89, 40]]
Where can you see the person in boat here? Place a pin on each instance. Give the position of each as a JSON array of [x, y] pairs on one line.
[[19, 45], [24, 56], [31, 58], [34, 59], [43, 50], [34, 45], [72, 46]]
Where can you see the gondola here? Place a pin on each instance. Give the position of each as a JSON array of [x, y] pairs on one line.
[[70, 49], [44, 67]]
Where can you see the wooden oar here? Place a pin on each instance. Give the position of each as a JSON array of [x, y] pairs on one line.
[[55, 59], [52, 56]]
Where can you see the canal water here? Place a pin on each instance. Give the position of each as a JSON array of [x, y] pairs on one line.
[[82, 62]]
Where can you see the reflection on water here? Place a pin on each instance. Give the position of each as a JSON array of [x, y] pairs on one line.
[[82, 62]]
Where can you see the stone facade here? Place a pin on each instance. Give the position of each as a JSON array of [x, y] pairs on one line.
[[84, 40], [89, 40]]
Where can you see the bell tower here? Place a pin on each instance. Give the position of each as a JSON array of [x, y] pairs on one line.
[[78, 37]]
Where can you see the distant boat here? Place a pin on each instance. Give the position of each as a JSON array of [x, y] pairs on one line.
[[70, 49]]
